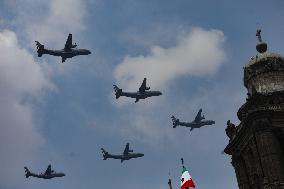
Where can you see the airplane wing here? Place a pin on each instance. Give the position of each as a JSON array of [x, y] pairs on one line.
[[198, 117], [126, 150], [143, 87], [48, 170], [68, 44]]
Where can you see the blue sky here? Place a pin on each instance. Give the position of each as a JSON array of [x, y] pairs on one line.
[[62, 114]]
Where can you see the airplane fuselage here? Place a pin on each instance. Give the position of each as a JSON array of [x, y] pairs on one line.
[[66, 53], [125, 157], [47, 176], [141, 95], [196, 124]]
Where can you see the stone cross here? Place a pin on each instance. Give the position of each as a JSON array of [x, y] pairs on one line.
[[258, 35]]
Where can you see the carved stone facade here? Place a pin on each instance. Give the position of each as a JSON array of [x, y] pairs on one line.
[[257, 143]]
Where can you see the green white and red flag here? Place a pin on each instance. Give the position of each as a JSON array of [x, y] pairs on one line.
[[186, 180]]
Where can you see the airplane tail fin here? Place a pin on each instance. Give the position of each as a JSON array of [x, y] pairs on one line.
[[105, 153], [40, 48], [118, 91], [121, 160], [175, 121], [191, 128], [27, 171]]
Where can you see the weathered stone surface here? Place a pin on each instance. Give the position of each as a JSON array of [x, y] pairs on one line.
[[264, 74]]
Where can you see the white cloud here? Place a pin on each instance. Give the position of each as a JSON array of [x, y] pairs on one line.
[[48, 21], [198, 53], [63, 17], [20, 76]]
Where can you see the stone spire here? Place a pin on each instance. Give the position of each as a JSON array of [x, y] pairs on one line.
[[256, 143], [264, 73]]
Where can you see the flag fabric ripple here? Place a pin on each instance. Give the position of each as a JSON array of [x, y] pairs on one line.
[[186, 180]]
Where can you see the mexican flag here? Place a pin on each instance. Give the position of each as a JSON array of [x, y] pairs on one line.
[[186, 180]]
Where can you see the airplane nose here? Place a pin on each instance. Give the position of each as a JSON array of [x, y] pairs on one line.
[[89, 52]]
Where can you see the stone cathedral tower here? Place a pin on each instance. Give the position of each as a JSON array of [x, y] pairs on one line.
[[257, 144]]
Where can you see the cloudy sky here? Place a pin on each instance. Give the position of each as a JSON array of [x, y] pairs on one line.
[[62, 114]]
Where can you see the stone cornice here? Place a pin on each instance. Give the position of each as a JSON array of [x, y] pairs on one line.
[[252, 124], [262, 102], [240, 140]]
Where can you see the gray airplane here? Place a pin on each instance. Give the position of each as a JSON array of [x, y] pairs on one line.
[[69, 50], [127, 154], [141, 94], [196, 123], [48, 174]]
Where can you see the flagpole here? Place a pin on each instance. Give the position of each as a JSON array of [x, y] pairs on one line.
[[182, 163], [170, 182]]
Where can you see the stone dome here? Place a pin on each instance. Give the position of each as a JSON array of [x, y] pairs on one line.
[[264, 73]]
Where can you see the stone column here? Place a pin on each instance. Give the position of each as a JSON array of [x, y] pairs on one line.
[[241, 172], [270, 152]]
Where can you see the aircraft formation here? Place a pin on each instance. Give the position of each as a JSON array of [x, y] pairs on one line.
[[143, 92]]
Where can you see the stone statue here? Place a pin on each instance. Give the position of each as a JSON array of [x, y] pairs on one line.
[[231, 130]]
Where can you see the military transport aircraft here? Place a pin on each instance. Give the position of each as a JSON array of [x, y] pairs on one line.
[[69, 50], [196, 123], [48, 174], [141, 94], [127, 154]]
